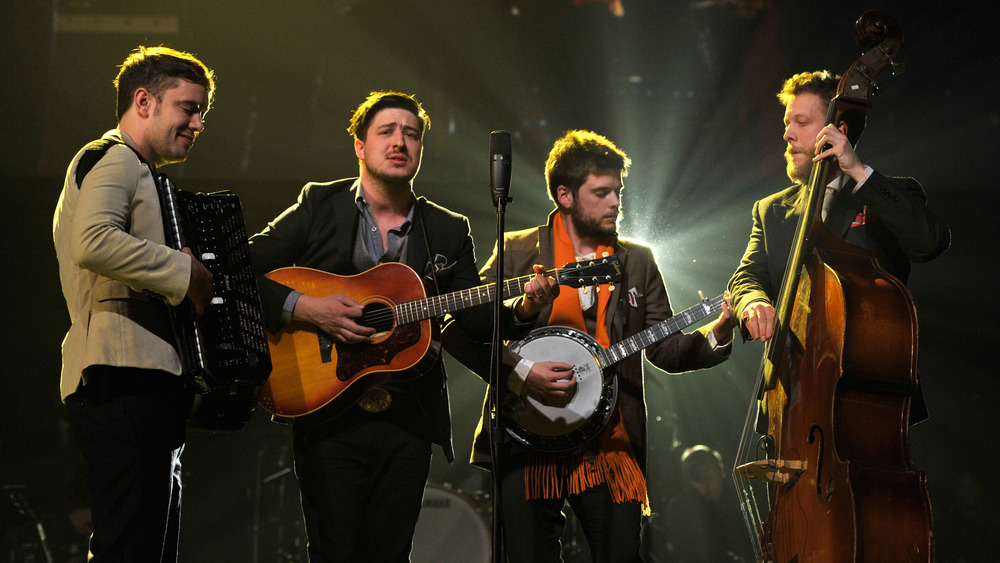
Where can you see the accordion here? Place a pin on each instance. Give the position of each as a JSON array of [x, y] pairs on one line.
[[224, 354]]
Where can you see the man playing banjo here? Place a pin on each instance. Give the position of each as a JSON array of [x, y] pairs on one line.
[[602, 478]]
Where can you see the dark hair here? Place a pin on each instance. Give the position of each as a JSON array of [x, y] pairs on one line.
[[158, 69], [823, 83], [378, 101], [577, 155]]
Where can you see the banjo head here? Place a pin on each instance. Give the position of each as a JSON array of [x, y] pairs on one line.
[[582, 414]]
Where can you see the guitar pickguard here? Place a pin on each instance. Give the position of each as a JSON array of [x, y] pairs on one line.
[[354, 359]]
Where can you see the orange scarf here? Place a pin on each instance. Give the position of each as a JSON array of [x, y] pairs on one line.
[[608, 458], [566, 309]]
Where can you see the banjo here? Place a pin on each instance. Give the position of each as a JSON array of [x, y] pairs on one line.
[[562, 426]]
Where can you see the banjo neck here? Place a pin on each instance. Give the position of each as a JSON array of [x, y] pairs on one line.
[[637, 342]]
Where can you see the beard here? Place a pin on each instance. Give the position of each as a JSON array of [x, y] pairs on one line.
[[797, 174], [397, 178], [591, 229]]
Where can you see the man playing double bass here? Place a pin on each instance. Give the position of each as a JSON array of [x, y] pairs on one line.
[[887, 216]]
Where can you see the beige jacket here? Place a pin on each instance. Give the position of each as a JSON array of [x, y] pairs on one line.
[[109, 242]]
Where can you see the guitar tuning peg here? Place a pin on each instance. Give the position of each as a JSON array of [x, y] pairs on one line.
[[597, 289], [605, 254], [611, 286], [585, 289]]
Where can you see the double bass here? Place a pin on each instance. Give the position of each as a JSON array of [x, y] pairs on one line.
[[825, 447]]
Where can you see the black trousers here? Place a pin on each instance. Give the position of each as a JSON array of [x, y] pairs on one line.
[[533, 528], [129, 424], [362, 479]]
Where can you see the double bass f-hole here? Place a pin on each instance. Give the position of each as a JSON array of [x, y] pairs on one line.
[[816, 434]]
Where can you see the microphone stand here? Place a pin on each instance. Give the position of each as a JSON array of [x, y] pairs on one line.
[[496, 366]]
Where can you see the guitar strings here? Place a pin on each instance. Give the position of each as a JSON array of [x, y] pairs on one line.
[[387, 313]]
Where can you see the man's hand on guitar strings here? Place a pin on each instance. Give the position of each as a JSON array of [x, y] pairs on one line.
[[335, 315]]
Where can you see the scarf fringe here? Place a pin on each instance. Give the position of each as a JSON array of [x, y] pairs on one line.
[[547, 477]]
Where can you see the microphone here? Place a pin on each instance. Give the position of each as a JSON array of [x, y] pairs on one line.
[[499, 165]]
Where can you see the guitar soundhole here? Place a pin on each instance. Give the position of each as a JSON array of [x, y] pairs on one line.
[[378, 316], [355, 358]]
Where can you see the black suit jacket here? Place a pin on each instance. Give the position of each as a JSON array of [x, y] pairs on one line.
[[319, 231], [898, 229]]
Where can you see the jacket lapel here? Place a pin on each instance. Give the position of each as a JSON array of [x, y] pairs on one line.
[[621, 289], [416, 247], [843, 210]]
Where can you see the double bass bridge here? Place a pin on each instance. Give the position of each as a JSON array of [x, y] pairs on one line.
[[772, 470]]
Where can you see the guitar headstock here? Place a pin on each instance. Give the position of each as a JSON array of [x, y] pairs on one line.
[[607, 269]]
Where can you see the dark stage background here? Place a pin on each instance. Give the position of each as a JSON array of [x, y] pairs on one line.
[[686, 88]]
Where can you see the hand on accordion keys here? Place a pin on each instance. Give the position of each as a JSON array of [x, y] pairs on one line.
[[199, 291]]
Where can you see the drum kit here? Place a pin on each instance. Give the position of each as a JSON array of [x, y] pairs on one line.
[[455, 527], [452, 527]]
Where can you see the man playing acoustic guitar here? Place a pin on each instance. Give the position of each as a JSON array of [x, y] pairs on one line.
[[362, 468]]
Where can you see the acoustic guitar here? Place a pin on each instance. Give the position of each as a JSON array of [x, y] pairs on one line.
[[310, 370]]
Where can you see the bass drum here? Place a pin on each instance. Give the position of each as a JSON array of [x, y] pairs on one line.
[[451, 528]]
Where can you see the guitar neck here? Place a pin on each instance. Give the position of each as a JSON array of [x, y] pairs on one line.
[[607, 269], [637, 342], [439, 305]]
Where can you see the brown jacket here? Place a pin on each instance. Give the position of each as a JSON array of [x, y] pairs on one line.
[[639, 302], [110, 244]]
